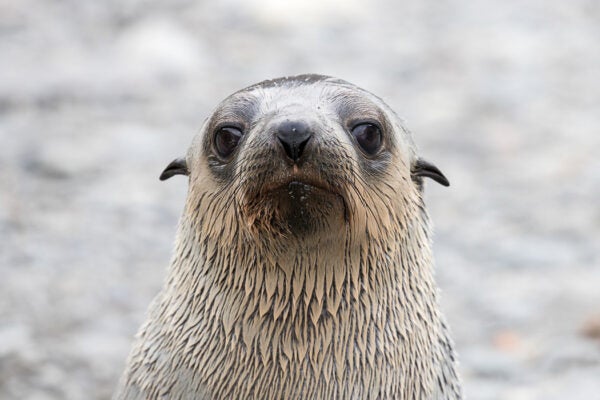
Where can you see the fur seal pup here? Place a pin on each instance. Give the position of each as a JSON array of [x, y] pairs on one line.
[[302, 266]]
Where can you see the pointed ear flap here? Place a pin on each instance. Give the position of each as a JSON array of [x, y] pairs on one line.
[[426, 169], [176, 167]]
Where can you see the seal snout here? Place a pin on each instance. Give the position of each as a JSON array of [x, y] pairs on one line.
[[293, 137]]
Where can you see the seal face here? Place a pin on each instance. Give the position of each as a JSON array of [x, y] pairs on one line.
[[302, 267], [297, 152]]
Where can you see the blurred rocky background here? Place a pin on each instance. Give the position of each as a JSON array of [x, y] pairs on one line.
[[96, 97]]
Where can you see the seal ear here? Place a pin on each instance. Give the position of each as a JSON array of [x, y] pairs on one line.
[[176, 167], [427, 169]]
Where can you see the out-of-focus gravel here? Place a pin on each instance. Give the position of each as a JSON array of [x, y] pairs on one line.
[[96, 97]]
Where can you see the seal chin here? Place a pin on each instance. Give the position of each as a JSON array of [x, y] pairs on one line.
[[305, 208]]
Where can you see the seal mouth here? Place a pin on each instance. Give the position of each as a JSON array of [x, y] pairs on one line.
[[296, 182], [299, 204], [305, 190]]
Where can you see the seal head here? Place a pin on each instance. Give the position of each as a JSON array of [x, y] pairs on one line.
[[301, 157]]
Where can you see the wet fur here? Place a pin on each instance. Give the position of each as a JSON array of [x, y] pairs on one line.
[[256, 309]]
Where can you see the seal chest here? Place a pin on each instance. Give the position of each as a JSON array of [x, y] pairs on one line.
[[302, 267]]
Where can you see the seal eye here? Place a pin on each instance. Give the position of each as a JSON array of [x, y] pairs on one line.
[[368, 137], [226, 140]]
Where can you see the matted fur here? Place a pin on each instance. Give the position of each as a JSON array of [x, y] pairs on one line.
[[344, 307]]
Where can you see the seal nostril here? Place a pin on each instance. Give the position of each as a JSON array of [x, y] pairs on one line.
[[288, 149], [301, 146], [294, 149], [294, 136]]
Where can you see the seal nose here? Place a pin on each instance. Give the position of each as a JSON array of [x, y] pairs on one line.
[[293, 136]]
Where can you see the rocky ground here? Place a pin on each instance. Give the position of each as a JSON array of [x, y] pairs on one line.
[[97, 97]]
